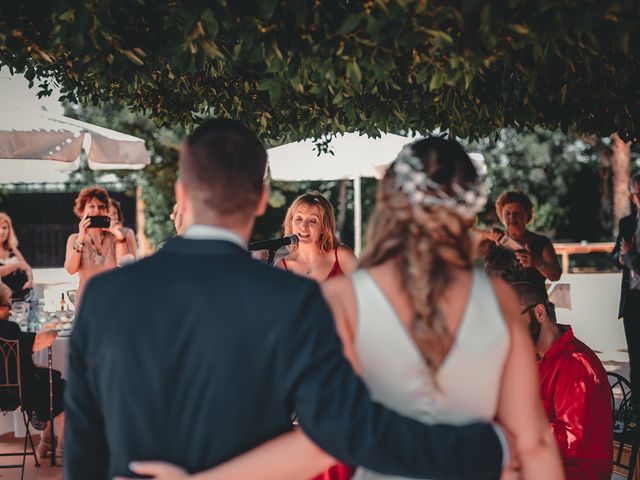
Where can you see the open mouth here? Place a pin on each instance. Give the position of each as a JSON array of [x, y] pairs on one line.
[[303, 235]]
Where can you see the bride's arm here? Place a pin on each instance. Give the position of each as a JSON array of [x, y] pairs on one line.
[[289, 456], [519, 406]]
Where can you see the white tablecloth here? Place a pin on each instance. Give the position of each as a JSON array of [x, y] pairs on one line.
[[12, 422]]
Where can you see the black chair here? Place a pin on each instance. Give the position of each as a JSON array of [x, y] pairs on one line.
[[626, 430], [11, 397]]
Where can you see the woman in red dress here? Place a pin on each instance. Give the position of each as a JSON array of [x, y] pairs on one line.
[[318, 255]]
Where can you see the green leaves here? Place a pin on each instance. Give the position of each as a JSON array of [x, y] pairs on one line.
[[350, 24], [322, 67], [353, 72]]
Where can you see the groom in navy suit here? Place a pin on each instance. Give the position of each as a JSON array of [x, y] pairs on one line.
[[199, 353]]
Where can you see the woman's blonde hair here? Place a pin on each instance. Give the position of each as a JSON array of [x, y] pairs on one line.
[[328, 239], [12, 241], [424, 238]]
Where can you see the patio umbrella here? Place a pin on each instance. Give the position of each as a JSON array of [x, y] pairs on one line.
[[40, 136], [352, 157]]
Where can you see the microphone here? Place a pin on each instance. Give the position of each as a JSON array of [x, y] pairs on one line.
[[274, 243]]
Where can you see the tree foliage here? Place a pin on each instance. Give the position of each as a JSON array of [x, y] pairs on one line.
[[299, 69], [562, 174]]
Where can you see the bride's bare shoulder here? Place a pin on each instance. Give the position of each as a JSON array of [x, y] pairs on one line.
[[338, 290], [339, 293]]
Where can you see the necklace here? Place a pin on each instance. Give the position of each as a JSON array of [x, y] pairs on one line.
[[310, 266], [99, 255]]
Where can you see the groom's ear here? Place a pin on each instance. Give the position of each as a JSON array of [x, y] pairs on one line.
[[180, 192], [263, 202]]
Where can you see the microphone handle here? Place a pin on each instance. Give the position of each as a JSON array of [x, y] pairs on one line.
[[273, 244]]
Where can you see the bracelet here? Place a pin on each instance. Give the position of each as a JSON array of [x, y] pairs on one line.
[[78, 247]]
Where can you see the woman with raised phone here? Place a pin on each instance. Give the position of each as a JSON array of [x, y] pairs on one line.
[[433, 337], [99, 244]]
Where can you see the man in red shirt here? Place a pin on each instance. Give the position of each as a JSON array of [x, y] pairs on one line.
[[574, 389]]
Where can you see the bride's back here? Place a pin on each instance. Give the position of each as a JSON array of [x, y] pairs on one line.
[[432, 337], [465, 387]]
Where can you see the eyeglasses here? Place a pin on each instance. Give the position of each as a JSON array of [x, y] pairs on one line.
[[529, 308]]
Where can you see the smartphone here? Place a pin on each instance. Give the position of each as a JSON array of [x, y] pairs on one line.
[[99, 221]]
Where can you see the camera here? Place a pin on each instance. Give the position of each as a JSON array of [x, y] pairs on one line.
[[99, 221]]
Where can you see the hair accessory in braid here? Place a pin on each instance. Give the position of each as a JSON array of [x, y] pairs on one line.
[[423, 191]]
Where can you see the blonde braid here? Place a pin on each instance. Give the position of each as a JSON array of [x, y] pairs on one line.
[[424, 240], [437, 237]]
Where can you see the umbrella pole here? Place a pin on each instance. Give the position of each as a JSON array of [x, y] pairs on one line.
[[357, 216]]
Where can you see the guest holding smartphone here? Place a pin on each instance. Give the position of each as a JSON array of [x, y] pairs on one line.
[[533, 252], [99, 244]]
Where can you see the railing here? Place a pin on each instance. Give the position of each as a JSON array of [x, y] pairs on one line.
[[566, 249]]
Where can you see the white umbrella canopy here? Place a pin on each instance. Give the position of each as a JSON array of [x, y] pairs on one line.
[[353, 156], [44, 136]]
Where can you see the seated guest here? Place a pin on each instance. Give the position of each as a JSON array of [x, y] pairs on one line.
[[15, 272], [574, 389], [35, 381], [536, 255], [117, 220]]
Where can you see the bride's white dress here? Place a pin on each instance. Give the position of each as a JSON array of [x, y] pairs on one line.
[[468, 382]]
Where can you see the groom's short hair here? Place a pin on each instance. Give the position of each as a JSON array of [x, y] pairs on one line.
[[222, 166]]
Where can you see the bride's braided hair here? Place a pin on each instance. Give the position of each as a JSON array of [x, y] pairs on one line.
[[425, 206]]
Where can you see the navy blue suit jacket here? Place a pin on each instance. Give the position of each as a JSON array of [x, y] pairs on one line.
[[199, 353]]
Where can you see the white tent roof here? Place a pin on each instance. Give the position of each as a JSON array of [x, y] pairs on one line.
[[354, 155], [43, 136]]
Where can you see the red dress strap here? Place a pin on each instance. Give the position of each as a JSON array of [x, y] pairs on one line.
[[284, 264], [336, 270]]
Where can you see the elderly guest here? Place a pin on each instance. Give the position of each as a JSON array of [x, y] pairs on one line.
[[35, 381], [93, 249], [537, 257], [15, 272]]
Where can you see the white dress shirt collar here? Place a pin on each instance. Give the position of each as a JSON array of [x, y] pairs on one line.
[[211, 232]]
